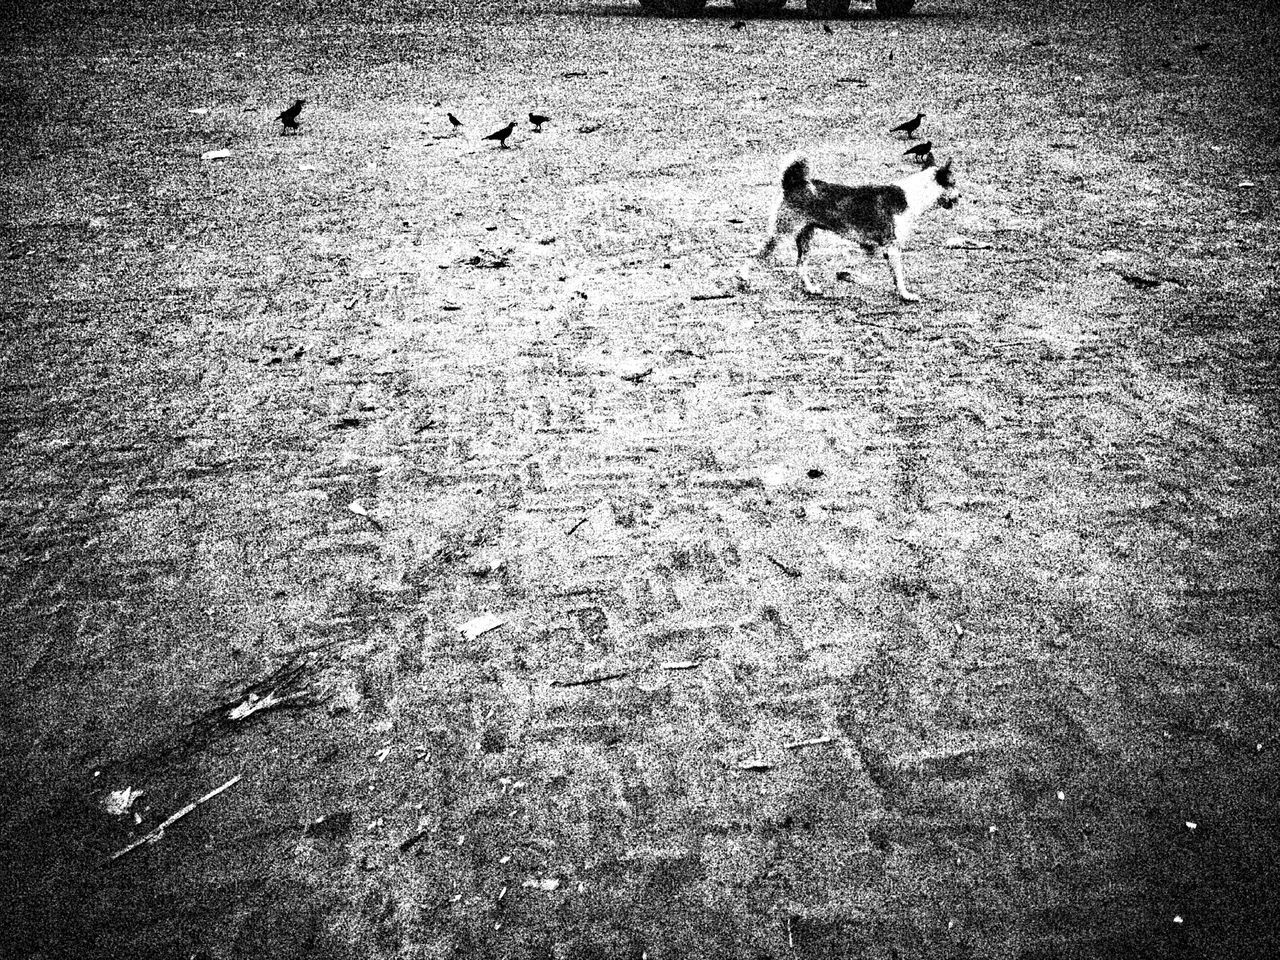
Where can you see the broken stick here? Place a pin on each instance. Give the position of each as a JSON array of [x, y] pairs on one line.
[[158, 833]]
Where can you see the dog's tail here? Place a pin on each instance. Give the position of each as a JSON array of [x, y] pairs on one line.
[[795, 174]]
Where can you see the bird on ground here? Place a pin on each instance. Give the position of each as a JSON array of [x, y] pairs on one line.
[[826, 27], [289, 117], [909, 127], [501, 135], [537, 120], [738, 25], [453, 121], [920, 152]]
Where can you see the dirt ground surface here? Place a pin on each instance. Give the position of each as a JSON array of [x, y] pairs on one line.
[[831, 626]]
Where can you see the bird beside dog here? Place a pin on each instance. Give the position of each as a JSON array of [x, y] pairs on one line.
[[909, 127], [289, 117], [501, 135]]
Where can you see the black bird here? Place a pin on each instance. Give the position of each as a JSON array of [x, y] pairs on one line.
[[453, 121], [738, 25], [290, 117], [920, 151], [826, 27], [501, 135], [537, 120], [909, 127]]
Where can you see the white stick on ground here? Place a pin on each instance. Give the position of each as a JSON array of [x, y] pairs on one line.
[[158, 832]]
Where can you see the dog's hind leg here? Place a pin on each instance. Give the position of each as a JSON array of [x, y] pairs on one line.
[[780, 225], [894, 256], [803, 239]]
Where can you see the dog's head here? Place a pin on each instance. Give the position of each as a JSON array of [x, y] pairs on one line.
[[945, 178]]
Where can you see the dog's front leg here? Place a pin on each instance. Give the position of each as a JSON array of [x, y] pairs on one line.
[[894, 256], [803, 239]]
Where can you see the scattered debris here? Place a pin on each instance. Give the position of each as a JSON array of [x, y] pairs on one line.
[[713, 296], [289, 684], [573, 527], [480, 625], [756, 765], [965, 243], [489, 259], [512, 785], [679, 664], [859, 81], [215, 155], [198, 111], [118, 802], [411, 841], [585, 681], [590, 127], [574, 73], [330, 826], [381, 755], [356, 507], [1144, 281], [1246, 185], [814, 473], [156, 835], [789, 571], [638, 376], [815, 742], [546, 885], [280, 351], [253, 703]]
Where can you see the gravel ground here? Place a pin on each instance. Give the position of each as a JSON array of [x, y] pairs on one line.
[[832, 626]]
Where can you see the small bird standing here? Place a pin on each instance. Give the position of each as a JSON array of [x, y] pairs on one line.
[[909, 127], [289, 117], [920, 152], [453, 121], [826, 27], [501, 135], [537, 120], [738, 25]]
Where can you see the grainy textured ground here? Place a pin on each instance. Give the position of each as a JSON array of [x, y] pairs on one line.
[[1011, 551]]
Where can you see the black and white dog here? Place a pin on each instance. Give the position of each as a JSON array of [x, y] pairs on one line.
[[879, 218]]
